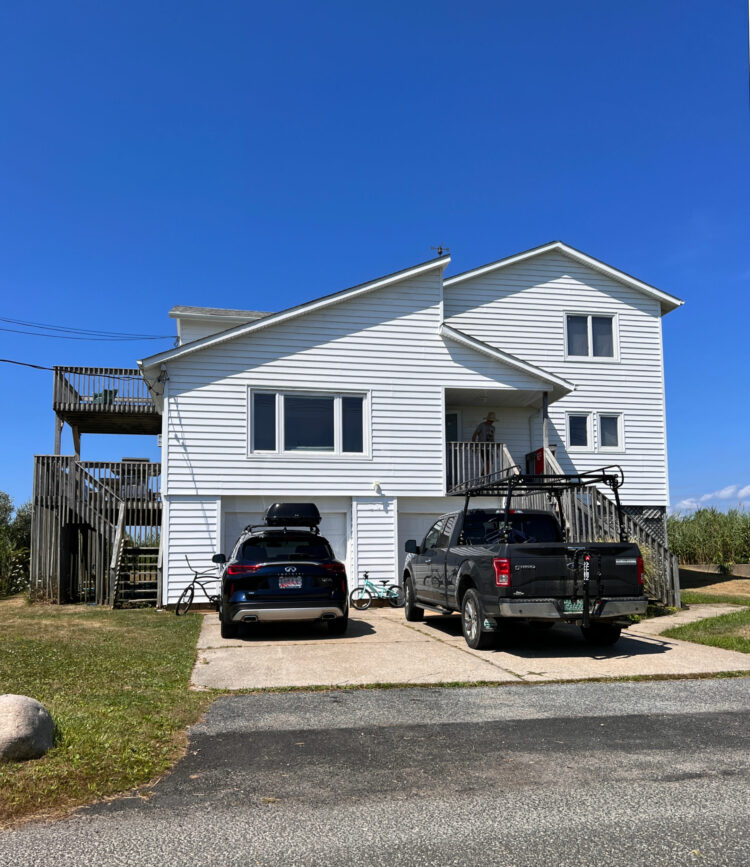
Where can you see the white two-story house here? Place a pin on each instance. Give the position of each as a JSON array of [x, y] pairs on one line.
[[365, 401]]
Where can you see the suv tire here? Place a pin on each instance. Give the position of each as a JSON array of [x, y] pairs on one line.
[[472, 622], [412, 611], [228, 630], [339, 625]]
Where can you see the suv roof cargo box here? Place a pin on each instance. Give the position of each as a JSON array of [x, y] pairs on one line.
[[292, 515]]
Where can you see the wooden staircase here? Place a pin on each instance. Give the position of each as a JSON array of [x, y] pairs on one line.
[[136, 579]]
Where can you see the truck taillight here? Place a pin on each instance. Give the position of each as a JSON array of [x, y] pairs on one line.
[[502, 571], [639, 561]]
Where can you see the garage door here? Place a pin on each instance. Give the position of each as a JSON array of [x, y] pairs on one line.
[[413, 526], [332, 526]]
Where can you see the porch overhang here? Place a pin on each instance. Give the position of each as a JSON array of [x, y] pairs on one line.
[[550, 384]]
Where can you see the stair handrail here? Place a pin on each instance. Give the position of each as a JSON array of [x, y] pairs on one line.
[[668, 583], [117, 548]]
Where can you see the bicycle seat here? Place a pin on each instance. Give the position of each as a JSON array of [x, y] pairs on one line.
[[382, 580]]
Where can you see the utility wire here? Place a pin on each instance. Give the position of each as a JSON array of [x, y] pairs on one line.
[[81, 336], [93, 331], [25, 364]]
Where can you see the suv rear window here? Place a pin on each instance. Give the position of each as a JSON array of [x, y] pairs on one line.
[[484, 528], [267, 549]]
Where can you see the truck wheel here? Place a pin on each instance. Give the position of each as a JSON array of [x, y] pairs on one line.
[[601, 634], [472, 622], [412, 611]]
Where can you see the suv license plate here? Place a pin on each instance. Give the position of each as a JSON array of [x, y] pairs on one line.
[[573, 606], [290, 583]]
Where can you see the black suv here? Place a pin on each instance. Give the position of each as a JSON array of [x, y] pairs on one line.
[[283, 570]]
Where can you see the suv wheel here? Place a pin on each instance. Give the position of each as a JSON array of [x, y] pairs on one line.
[[228, 629], [601, 634], [412, 611], [339, 625], [472, 622]]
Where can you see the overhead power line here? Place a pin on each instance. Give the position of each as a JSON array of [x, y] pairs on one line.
[[84, 336], [93, 332], [25, 364]]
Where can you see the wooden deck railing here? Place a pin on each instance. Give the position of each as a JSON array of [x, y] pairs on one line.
[[101, 389], [77, 508], [466, 461]]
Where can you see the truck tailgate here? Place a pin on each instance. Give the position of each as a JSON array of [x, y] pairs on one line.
[[555, 570]]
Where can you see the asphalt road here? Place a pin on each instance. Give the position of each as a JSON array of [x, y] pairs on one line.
[[581, 774]]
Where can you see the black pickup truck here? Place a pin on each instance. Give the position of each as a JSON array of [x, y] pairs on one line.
[[496, 565]]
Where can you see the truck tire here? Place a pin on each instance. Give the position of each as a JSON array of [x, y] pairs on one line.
[[601, 634], [412, 611], [472, 622]]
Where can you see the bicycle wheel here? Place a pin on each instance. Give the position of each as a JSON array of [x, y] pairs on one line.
[[395, 596], [185, 600], [360, 598]]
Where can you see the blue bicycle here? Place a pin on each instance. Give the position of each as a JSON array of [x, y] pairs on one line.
[[361, 597]]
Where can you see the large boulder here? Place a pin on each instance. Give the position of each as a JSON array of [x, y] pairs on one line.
[[26, 728]]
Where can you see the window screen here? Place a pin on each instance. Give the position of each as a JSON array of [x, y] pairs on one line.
[[609, 431], [578, 335], [601, 336], [578, 430], [264, 422], [351, 424]]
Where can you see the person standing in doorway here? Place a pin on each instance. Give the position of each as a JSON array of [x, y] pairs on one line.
[[485, 433]]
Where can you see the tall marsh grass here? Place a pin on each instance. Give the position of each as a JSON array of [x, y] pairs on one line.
[[710, 536]]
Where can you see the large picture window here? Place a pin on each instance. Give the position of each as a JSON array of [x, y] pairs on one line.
[[590, 336], [296, 422]]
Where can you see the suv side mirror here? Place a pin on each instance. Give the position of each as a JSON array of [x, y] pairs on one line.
[[219, 558], [411, 547]]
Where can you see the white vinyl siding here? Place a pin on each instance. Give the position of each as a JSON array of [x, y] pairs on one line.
[[374, 527], [193, 531], [385, 344], [522, 308]]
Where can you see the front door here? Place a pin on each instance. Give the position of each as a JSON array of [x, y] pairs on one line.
[[453, 426]]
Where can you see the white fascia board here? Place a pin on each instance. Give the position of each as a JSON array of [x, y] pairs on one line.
[[667, 301], [292, 313], [505, 357]]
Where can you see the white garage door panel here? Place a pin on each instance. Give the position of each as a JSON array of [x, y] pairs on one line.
[[332, 526], [413, 526]]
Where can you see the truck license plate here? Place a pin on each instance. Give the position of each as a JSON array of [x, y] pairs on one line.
[[290, 583], [573, 606]]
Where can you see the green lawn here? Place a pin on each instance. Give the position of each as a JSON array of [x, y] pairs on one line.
[[116, 684], [692, 597], [730, 631]]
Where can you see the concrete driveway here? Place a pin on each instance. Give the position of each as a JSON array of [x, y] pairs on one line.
[[380, 647]]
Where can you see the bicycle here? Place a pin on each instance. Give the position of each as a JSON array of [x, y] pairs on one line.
[[361, 597], [188, 594]]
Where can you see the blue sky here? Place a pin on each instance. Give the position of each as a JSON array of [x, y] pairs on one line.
[[256, 155]]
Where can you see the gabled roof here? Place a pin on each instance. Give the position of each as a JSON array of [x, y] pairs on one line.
[[293, 312], [668, 302], [550, 379]]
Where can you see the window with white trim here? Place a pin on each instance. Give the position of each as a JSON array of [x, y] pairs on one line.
[[307, 423], [579, 430], [610, 431], [590, 336]]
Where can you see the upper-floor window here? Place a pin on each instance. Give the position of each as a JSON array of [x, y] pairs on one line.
[[590, 336], [297, 422]]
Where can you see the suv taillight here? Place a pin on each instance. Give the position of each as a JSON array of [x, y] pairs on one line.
[[242, 569], [639, 561], [502, 571], [334, 566]]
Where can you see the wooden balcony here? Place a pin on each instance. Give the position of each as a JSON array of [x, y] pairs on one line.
[[104, 400], [466, 461]]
